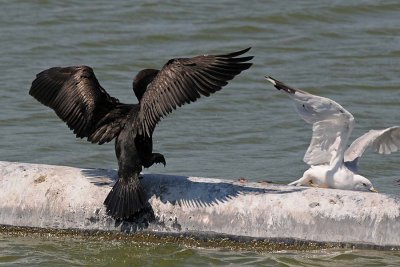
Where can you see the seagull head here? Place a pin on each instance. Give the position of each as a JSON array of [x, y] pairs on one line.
[[363, 184]]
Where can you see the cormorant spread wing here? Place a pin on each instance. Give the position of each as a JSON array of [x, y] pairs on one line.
[[184, 80], [76, 96]]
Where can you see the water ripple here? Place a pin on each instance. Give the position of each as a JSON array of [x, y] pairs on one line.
[[340, 49]]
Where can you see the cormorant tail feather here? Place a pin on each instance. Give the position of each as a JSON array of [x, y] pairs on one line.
[[125, 198]]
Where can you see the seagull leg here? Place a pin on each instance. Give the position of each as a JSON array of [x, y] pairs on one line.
[[302, 181], [310, 183]]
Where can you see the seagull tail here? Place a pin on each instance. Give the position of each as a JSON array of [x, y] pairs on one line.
[[125, 198]]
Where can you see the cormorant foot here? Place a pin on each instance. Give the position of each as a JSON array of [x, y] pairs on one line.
[[159, 158], [155, 158]]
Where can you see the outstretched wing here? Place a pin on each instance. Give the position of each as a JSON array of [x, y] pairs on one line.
[[332, 124], [78, 99], [328, 141], [384, 141], [184, 80]]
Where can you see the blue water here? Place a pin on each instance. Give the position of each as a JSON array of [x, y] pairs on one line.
[[343, 50]]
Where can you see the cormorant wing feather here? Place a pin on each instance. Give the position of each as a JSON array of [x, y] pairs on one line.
[[78, 99], [184, 80]]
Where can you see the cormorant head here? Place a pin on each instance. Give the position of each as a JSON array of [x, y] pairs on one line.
[[142, 80]]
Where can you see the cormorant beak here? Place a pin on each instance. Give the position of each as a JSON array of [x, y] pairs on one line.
[[373, 190]]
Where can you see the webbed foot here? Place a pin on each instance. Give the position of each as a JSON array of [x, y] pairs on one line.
[[158, 158]]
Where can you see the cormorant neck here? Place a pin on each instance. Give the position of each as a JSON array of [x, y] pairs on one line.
[[142, 80]]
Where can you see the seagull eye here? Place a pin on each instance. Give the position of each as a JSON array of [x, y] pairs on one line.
[[364, 184], [341, 111]]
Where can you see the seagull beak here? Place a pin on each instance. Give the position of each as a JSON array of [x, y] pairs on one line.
[[373, 190]]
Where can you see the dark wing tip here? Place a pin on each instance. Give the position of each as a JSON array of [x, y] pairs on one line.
[[241, 63], [238, 53], [245, 66], [280, 85], [235, 54], [233, 64], [271, 80]]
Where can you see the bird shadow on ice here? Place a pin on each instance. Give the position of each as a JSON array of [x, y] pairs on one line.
[[204, 192], [183, 191], [189, 191], [100, 177]]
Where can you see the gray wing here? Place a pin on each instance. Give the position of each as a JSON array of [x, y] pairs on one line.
[[332, 124], [78, 99], [384, 141], [329, 140], [184, 80]]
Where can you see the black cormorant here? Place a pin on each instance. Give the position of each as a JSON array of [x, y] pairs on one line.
[[79, 100]]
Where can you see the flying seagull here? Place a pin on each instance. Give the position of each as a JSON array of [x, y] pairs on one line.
[[332, 165], [76, 96]]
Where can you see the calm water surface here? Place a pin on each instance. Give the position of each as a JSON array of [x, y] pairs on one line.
[[344, 50]]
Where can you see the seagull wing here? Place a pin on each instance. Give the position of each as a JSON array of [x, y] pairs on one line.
[[329, 140], [384, 141], [78, 99], [184, 80], [332, 124]]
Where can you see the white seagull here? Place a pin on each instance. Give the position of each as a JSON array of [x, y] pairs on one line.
[[332, 165]]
